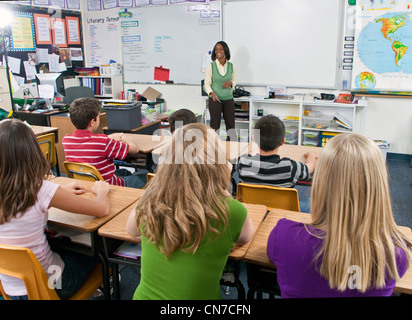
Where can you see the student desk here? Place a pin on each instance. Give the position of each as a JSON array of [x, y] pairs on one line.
[[114, 232], [39, 118], [41, 130], [291, 151], [146, 145], [120, 198], [233, 149], [257, 249]]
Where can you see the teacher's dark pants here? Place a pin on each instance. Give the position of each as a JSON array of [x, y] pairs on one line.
[[216, 108]]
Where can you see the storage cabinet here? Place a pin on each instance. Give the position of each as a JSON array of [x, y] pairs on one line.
[[106, 87], [5, 100], [315, 121], [309, 123]]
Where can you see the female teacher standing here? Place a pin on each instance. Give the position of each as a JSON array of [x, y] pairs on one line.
[[219, 84]]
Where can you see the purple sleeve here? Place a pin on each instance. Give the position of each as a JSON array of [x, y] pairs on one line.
[[271, 248]]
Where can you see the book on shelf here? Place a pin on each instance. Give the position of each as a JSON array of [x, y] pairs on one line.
[[342, 121]]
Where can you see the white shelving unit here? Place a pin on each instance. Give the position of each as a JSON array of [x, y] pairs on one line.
[[324, 113], [111, 87], [318, 112]]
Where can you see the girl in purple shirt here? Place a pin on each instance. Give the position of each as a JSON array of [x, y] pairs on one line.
[[353, 246]]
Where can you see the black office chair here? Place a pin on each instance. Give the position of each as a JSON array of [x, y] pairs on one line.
[[73, 93]]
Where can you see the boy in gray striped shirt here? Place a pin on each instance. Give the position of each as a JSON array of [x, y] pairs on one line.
[[266, 167]]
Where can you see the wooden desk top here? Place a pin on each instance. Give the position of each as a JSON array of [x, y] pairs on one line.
[[116, 228], [233, 148], [145, 143], [40, 130], [257, 249], [291, 151], [120, 198]]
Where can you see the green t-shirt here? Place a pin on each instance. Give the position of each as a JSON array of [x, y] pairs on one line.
[[188, 276]]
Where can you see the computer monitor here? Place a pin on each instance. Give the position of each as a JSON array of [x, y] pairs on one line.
[[54, 79]]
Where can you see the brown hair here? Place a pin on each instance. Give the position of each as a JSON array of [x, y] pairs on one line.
[[84, 110], [22, 168]]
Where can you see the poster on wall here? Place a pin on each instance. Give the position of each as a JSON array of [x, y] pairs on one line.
[[42, 26], [73, 30], [59, 32], [22, 31], [382, 60]]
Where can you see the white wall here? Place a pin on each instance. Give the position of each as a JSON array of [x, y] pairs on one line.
[[383, 118]]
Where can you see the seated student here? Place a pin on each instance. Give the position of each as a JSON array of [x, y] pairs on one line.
[[353, 246], [177, 119], [188, 232], [26, 196], [267, 167], [180, 117], [99, 150]]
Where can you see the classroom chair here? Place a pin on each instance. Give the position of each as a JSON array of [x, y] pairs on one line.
[[72, 93], [149, 177], [271, 197], [21, 263], [81, 171], [48, 147]]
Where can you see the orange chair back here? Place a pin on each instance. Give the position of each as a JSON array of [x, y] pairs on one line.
[[271, 197], [21, 263]]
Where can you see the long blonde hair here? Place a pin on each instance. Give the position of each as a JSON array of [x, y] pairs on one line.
[[351, 203], [186, 198]]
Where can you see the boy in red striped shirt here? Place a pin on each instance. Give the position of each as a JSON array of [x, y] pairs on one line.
[[99, 150]]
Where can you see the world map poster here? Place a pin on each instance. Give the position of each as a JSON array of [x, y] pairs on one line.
[[383, 47]]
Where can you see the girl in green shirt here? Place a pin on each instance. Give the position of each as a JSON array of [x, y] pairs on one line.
[[187, 220]]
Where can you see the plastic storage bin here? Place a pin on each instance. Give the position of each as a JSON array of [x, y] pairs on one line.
[[291, 133], [324, 137], [292, 141], [316, 123], [124, 117], [310, 136]]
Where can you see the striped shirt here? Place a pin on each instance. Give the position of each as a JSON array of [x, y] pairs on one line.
[[98, 150], [271, 170]]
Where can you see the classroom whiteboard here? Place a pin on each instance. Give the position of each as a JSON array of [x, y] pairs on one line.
[[173, 37], [295, 43]]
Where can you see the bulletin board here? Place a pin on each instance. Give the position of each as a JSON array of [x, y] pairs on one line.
[[162, 43], [43, 39]]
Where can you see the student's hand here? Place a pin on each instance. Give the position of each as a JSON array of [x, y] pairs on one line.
[[74, 188], [116, 136], [101, 187], [311, 155], [227, 84], [311, 159]]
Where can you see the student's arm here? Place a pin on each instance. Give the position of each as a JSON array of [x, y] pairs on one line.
[[120, 136], [131, 226], [310, 160], [67, 200], [133, 149], [247, 232]]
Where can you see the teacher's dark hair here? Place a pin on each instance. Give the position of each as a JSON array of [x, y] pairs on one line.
[[225, 48]]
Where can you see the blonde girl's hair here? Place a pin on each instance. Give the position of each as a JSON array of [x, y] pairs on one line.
[[351, 203], [186, 200], [22, 168]]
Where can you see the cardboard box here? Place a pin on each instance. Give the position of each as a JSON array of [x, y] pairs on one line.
[[151, 94]]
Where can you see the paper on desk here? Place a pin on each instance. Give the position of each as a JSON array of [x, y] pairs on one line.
[[129, 250]]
